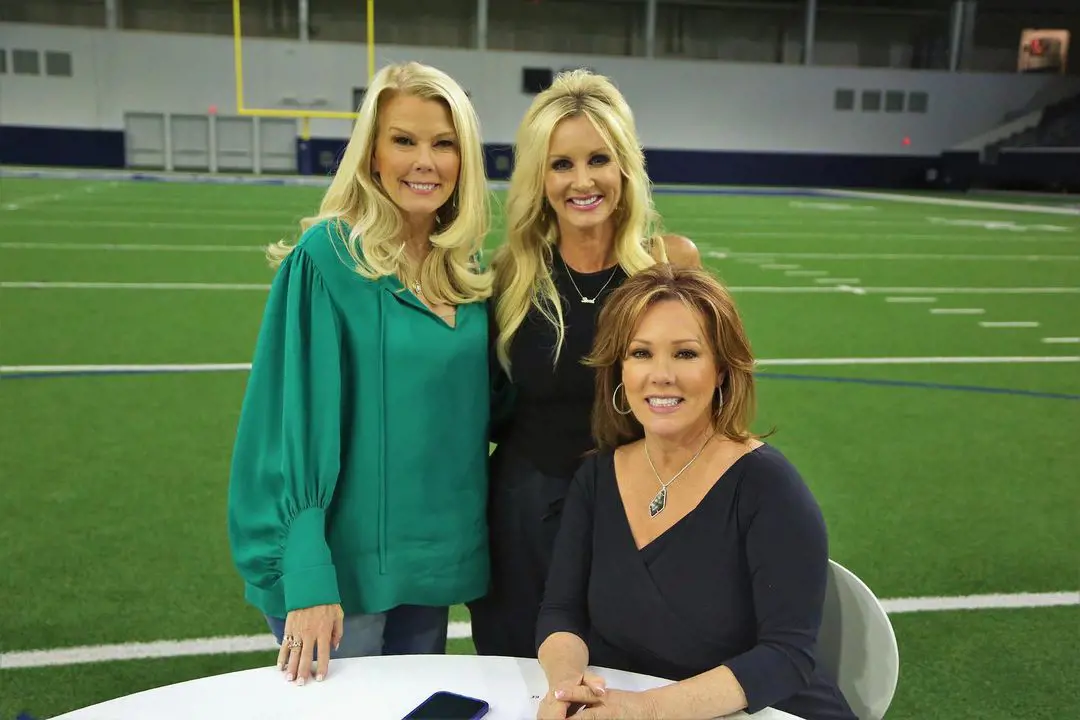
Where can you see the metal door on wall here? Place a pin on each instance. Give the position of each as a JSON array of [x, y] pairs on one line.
[[190, 135], [144, 140], [277, 145], [235, 145]]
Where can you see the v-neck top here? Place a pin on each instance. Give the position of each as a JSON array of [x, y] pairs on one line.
[[359, 474], [738, 581], [550, 420]]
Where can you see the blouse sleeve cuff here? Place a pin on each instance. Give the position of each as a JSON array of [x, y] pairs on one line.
[[308, 576]]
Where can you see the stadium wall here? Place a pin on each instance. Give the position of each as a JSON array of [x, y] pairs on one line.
[[701, 122]]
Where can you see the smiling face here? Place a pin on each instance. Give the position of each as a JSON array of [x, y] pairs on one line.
[[416, 154], [582, 181], [669, 372]]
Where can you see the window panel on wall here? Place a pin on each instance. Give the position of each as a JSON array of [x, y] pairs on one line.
[[81, 13], [258, 18], [58, 64], [876, 34], [439, 23], [600, 27], [736, 32], [25, 62]]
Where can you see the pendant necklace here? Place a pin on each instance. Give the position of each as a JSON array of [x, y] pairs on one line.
[[587, 300], [659, 502]]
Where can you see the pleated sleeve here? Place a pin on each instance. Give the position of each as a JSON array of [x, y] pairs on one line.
[[287, 453]]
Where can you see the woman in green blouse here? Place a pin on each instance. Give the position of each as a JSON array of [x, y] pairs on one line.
[[358, 487]]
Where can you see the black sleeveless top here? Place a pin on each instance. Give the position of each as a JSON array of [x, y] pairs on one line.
[[550, 423]]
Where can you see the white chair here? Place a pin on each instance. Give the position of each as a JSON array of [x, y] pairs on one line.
[[857, 645]]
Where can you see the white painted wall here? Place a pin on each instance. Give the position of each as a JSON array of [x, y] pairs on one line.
[[679, 104]]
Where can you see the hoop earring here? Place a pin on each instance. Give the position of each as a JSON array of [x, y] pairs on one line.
[[719, 401], [615, 401]]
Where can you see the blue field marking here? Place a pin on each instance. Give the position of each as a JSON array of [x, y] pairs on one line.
[[323, 181], [880, 382], [919, 385]]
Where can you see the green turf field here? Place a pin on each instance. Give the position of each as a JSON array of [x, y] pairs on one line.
[[944, 452]]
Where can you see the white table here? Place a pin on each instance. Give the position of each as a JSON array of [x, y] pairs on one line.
[[369, 688]]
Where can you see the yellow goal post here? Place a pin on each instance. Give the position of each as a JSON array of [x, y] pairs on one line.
[[305, 116]]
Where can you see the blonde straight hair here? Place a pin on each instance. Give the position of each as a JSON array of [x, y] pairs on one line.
[[523, 264], [451, 272]]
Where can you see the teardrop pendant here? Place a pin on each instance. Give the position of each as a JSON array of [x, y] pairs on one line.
[[658, 503]]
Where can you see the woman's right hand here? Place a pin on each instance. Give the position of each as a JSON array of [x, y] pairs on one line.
[[551, 708], [307, 631]]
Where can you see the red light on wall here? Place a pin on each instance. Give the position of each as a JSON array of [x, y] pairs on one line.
[[213, 110], [906, 141]]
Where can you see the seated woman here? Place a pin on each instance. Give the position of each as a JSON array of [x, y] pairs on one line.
[[689, 549]]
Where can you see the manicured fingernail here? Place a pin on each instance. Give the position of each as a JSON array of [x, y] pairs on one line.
[[288, 677], [300, 681], [319, 678], [598, 690], [559, 694]]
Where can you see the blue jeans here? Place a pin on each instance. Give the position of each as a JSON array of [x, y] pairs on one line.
[[404, 630]]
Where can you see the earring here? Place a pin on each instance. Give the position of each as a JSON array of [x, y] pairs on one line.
[[719, 401], [615, 401]]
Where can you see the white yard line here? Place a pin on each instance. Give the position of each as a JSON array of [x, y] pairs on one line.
[[29, 200], [806, 273], [957, 311], [1061, 340], [1059, 290], [130, 286], [208, 227], [1008, 324], [121, 369], [778, 266], [911, 299], [32, 200], [981, 602], [937, 257], [945, 360], [45, 370], [187, 208], [952, 202], [844, 287], [957, 235], [265, 642], [749, 258], [128, 247]]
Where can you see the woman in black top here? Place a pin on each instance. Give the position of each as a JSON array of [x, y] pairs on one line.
[[689, 549], [580, 220]]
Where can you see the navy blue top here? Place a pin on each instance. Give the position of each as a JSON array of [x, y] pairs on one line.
[[739, 581]]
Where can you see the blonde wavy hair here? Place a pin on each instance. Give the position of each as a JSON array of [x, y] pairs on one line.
[[522, 264], [356, 200], [725, 336]]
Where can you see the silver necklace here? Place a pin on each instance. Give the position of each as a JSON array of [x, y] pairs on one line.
[[659, 501], [570, 275]]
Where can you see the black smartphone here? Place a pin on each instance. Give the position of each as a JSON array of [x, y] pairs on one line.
[[444, 705]]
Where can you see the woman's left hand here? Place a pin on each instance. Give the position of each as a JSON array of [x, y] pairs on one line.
[[612, 705]]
